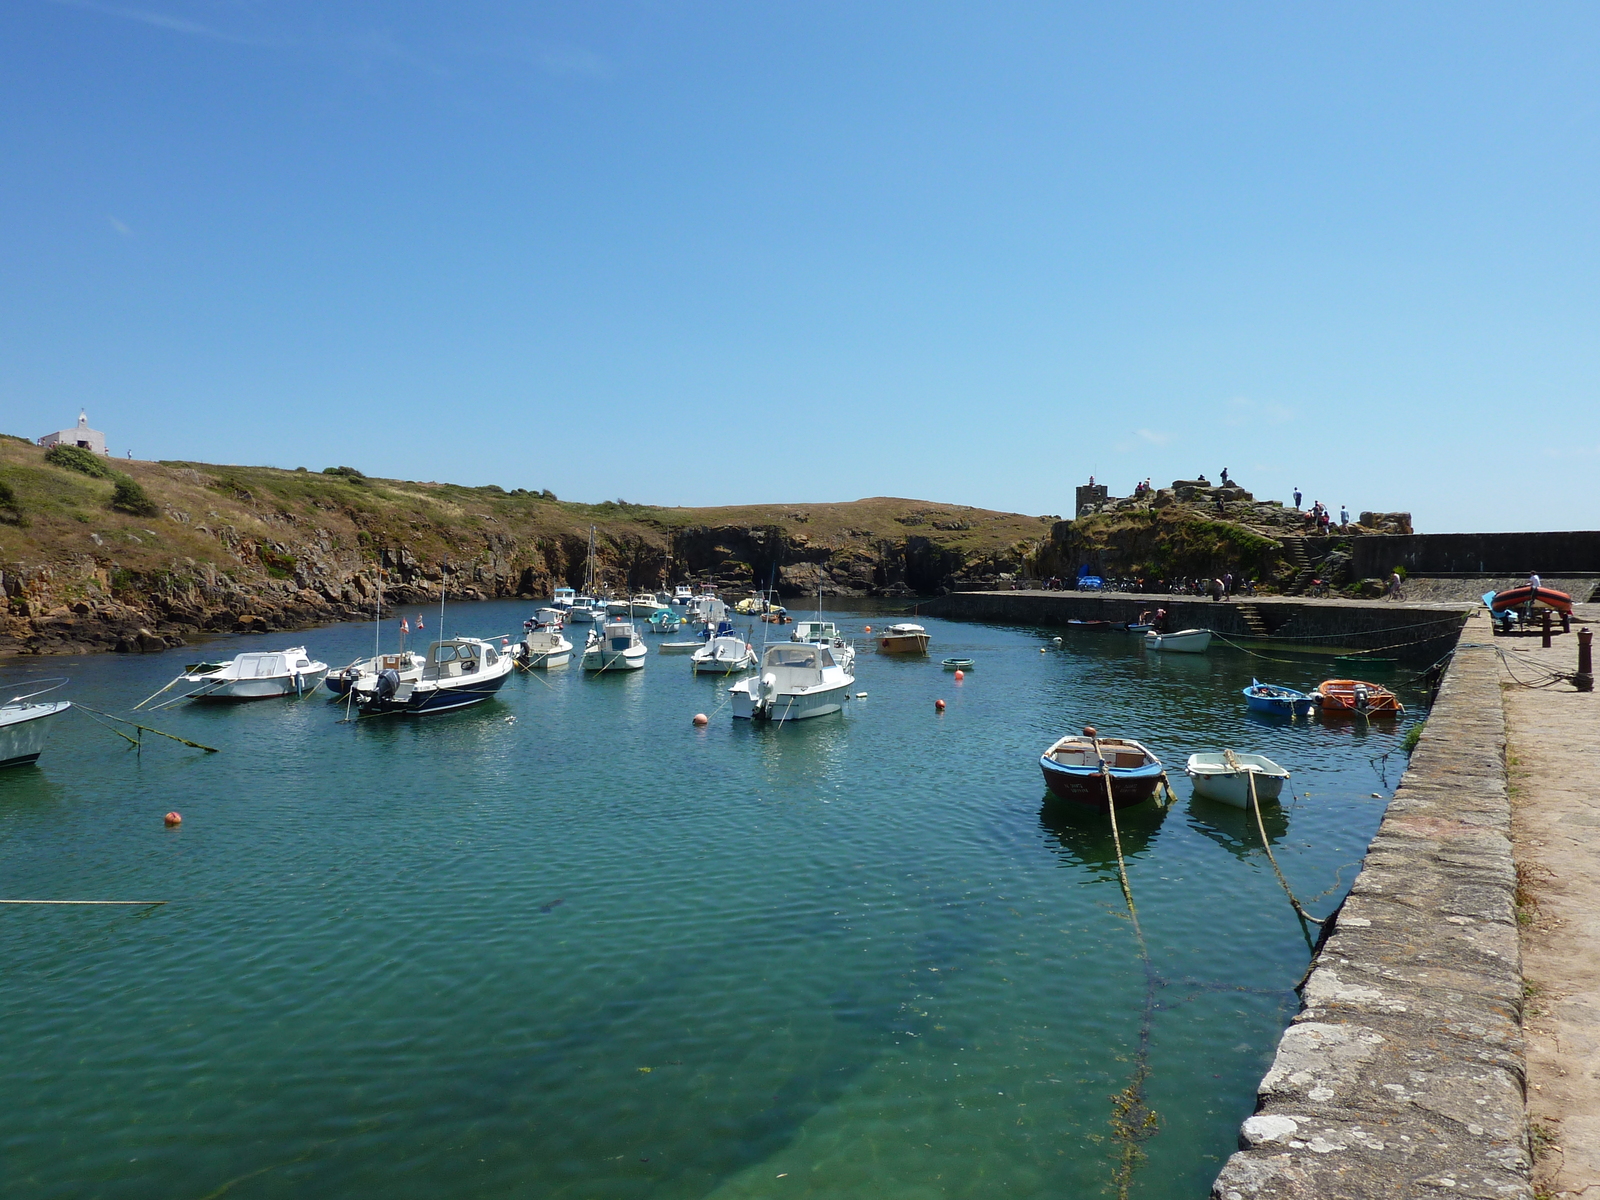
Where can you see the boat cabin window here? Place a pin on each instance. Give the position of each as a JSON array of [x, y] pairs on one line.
[[489, 657], [792, 656], [444, 654]]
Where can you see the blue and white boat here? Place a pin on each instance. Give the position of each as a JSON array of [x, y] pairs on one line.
[[1077, 767], [1277, 699], [459, 672]]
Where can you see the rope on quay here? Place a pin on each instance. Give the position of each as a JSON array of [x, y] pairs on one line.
[[1133, 1121], [1255, 807], [142, 728], [1546, 677]]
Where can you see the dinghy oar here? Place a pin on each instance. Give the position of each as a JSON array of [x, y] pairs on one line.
[[144, 729]]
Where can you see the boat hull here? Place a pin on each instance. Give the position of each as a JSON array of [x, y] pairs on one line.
[[1229, 784], [910, 643], [614, 660], [261, 689], [1088, 787], [1187, 641], [1290, 704], [24, 730], [789, 708], [420, 701], [1522, 597]]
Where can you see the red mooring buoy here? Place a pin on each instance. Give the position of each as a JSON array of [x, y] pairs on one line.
[[938, 706], [173, 818], [700, 719], [960, 675]]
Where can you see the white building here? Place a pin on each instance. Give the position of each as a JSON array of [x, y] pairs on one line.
[[82, 435]]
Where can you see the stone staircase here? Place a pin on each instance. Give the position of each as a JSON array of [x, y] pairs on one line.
[[1294, 549], [1252, 618]]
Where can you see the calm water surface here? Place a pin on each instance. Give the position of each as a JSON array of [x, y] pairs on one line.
[[595, 952]]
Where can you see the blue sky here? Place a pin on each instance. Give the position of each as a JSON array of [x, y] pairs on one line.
[[727, 253]]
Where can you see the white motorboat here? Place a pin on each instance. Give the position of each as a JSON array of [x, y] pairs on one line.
[[1185, 641], [826, 633], [255, 676], [641, 605], [680, 647], [459, 672], [706, 612], [905, 638], [562, 598], [585, 610], [24, 726], [1225, 777], [615, 646], [795, 681], [681, 595], [542, 647], [723, 655], [408, 664]]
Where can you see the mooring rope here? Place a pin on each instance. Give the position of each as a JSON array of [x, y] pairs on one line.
[[143, 728], [1133, 1121], [1261, 827]]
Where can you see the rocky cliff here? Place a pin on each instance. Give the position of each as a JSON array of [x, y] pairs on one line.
[[137, 555]]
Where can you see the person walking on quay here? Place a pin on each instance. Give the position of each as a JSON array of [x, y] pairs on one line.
[[1297, 499], [1394, 586], [1227, 584]]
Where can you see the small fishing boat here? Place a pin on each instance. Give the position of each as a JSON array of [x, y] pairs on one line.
[[562, 598], [1277, 699], [706, 611], [1095, 626], [25, 725], [458, 672], [641, 605], [615, 646], [1225, 777], [1076, 768], [681, 595], [903, 639], [1185, 641], [585, 610], [666, 621], [1526, 598], [957, 664], [255, 676], [408, 663], [723, 655], [542, 647], [1356, 696], [826, 633], [796, 681]]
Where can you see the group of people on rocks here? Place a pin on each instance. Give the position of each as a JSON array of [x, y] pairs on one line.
[[1320, 517]]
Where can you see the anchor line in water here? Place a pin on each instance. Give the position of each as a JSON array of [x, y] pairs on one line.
[[1261, 827], [1133, 1121], [92, 713]]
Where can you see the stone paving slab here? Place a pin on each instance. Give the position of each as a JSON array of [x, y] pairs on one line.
[[1403, 1074]]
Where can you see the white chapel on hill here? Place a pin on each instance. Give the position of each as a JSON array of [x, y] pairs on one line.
[[81, 435]]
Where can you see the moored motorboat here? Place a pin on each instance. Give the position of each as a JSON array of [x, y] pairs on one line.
[[1225, 777], [254, 676], [542, 647], [666, 621], [615, 646], [562, 598], [458, 672], [408, 663], [826, 633], [904, 638], [1277, 699], [1077, 766], [723, 655], [1185, 641], [1335, 696], [681, 595], [640, 606], [25, 724], [585, 610], [796, 681], [680, 647]]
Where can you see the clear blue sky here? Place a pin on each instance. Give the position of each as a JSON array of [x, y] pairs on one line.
[[722, 253]]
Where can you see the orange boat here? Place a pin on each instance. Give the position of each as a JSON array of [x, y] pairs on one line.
[[1355, 696], [1531, 597]]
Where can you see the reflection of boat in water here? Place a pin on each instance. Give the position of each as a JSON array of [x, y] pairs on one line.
[[1234, 829], [1084, 835]]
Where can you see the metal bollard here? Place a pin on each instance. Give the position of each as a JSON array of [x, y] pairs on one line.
[[1547, 629], [1584, 679]]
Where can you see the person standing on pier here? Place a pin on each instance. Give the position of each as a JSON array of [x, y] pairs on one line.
[[1344, 518], [1297, 499]]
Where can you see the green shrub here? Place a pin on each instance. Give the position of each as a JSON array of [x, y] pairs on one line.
[[76, 458], [128, 497], [1413, 736], [10, 506], [347, 472], [279, 566]]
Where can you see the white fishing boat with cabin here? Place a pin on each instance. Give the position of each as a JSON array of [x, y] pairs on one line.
[[459, 672], [1225, 777], [641, 605], [259, 675], [562, 598], [826, 633], [904, 638], [543, 645], [681, 595], [615, 646], [408, 664], [723, 655], [796, 681]]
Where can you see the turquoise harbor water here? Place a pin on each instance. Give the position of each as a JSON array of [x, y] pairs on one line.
[[595, 952]]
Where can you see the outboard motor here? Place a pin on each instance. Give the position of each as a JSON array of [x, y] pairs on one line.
[[1361, 697], [388, 683]]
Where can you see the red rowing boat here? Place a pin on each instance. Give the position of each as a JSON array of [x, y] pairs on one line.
[[1524, 596]]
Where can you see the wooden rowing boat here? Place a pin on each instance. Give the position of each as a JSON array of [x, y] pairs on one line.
[[1073, 770], [1356, 696]]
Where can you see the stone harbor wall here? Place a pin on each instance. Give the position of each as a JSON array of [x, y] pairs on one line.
[[1403, 1074], [1479, 553]]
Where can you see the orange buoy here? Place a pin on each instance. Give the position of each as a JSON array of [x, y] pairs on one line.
[[938, 706], [173, 818], [960, 675], [1088, 731], [869, 628], [700, 719]]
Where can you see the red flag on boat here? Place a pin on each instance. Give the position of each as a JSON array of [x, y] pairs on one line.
[[419, 621], [404, 628]]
